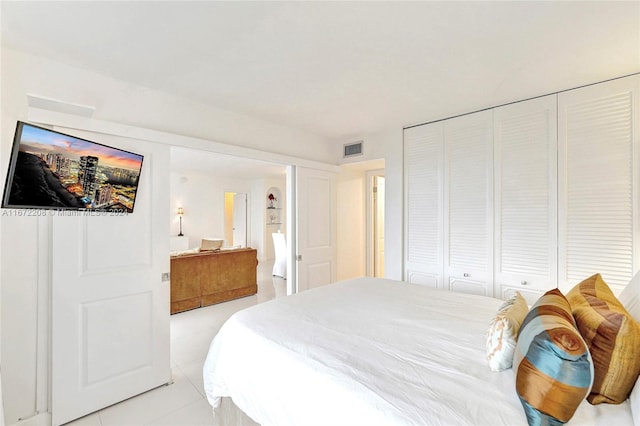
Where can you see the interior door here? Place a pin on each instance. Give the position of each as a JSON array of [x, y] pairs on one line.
[[424, 204], [468, 199], [240, 220], [316, 228], [525, 172], [598, 183], [110, 300]]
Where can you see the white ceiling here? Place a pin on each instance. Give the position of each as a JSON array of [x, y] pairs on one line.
[[337, 69]]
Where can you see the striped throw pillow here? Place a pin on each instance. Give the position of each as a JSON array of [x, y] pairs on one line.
[[503, 332], [613, 337], [553, 368]]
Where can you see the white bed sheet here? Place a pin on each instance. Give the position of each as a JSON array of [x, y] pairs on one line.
[[370, 352]]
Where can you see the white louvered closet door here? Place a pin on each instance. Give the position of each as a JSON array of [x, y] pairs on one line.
[[469, 203], [598, 192], [423, 151], [525, 156]]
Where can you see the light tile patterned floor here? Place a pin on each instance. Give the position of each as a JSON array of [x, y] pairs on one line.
[[183, 403]]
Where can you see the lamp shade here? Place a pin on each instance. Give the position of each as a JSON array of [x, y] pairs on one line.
[[180, 211]]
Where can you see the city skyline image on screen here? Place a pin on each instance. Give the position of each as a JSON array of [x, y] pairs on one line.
[[52, 170]]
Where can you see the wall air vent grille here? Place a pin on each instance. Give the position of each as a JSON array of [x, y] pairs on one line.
[[352, 149]]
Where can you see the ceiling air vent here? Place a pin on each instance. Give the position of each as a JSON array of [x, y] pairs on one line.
[[352, 149]]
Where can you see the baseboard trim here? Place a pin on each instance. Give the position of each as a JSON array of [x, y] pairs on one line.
[[42, 419]]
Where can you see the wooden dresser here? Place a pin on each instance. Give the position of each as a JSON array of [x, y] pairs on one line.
[[205, 278]]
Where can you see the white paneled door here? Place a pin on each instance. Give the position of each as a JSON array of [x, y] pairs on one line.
[[424, 204], [468, 195], [110, 304], [525, 155], [598, 157], [316, 231]]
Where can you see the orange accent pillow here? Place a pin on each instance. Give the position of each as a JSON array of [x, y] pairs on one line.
[[613, 338]]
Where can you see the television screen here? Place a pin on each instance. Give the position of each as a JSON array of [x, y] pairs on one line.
[[51, 170]]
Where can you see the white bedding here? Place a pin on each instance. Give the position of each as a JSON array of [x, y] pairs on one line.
[[370, 352]]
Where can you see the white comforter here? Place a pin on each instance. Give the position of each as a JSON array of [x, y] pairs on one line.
[[369, 352]]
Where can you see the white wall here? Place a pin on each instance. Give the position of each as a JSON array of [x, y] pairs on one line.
[[281, 184], [202, 197], [385, 145], [121, 102], [261, 232], [388, 145], [18, 272], [351, 224], [256, 206], [23, 270]]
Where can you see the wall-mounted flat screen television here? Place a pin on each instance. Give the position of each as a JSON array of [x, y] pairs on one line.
[[52, 170]]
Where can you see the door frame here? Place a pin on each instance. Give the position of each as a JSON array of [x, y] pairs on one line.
[[292, 230], [369, 221], [247, 222]]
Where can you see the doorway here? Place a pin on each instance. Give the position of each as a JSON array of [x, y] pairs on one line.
[[375, 222], [235, 219]]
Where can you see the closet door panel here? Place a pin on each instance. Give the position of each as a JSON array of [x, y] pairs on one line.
[[525, 155], [469, 203], [598, 182], [423, 151]]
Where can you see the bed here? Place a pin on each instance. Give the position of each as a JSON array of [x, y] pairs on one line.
[[371, 351]]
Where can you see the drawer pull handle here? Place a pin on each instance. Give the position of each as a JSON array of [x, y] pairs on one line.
[[466, 275], [524, 282]]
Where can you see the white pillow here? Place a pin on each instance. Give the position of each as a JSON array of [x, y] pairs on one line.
[[502, 335], [630, 297], [188, 251]]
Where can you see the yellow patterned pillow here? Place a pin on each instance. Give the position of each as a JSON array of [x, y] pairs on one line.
[[613, 338], [503, 332]]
